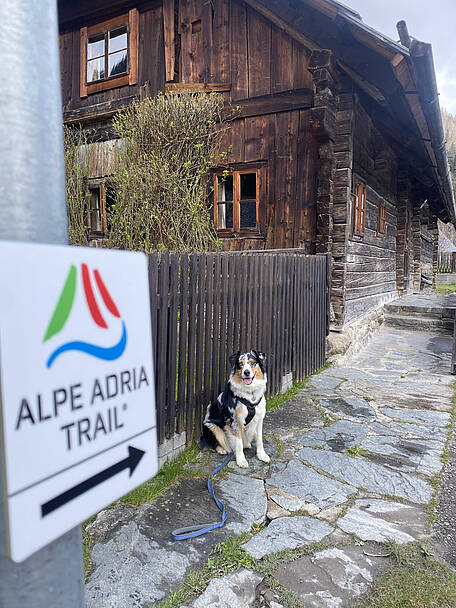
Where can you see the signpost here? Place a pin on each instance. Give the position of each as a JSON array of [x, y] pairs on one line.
[[78, 416]]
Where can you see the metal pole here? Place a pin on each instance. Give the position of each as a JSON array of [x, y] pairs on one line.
[[32, 208]]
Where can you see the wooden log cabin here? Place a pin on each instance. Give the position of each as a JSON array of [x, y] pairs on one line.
[[339, 146]]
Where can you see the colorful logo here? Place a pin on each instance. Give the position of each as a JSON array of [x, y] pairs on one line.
[[63, 309]]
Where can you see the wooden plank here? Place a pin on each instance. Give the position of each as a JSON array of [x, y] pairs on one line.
[[163, 284], [83, 63], [259, 138], [302, 78], [199, 362], [232, 267], [268, 316], [259, 54], [183, 341], [257, 303], [185, 31], [172, 344], [281, 61], [153, 292], [216, 342], [192, 316], [275, 322], [243, 288], [238, 48], [220, 69], [133, 18], [224, 310], [196, 87], [208, 327], [285, 101], [169, 39]]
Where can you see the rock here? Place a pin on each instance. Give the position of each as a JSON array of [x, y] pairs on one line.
[[287, 533], [331, 578], [380, 520], [274, 511], [373, 477], [353, 407], [338, 437], [235, 590], [304, 482], [243, 496], [331, 514], [419, 416]]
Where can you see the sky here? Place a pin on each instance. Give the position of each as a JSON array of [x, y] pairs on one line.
[[431, 21]]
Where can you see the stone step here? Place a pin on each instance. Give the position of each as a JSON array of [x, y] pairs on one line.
[[419, 322], [412, 310]]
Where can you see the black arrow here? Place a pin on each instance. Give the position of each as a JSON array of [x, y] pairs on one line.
[[131, 462]]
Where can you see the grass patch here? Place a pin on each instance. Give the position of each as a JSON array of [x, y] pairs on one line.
[[275, 403], [224, 558], [170, 471], [415, 580], [356, 450], [279, 445], [445, 289]]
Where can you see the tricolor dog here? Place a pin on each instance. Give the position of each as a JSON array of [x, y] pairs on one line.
[[236, 418]]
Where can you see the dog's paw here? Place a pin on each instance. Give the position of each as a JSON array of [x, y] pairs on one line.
[[220, 450], [263, 457], [243, 464]]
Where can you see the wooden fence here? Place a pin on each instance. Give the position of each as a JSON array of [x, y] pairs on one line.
[[447, 261], [207, 306]]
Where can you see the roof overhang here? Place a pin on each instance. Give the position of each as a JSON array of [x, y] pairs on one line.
[[399, 83]]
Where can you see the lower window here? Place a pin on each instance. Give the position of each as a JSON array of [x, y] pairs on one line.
[[236, 201], [99, 204]]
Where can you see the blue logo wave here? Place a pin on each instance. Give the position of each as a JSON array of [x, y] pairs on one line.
[[109, 353]]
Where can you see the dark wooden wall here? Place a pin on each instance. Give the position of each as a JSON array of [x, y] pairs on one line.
[[371, 259], [226, 42]]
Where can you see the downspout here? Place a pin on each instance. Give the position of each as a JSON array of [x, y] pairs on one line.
[[423, 65]]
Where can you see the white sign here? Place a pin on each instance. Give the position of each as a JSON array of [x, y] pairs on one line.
[[77, 386]]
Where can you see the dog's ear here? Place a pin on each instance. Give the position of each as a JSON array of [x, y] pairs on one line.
[[260, 356], [234, 359]]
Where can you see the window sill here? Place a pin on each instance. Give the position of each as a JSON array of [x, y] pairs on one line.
[[241, 235], [105, 85]]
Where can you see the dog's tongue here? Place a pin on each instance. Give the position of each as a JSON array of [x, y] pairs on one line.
[[248, 380]]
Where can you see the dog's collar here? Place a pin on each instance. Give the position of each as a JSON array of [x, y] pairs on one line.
[[250, 407]]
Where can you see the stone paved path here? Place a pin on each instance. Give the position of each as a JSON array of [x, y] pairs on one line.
[[353, 456]]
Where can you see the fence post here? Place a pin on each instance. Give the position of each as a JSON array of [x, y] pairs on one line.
[[32, 208]]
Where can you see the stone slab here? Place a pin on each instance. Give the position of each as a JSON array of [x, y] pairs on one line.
[[362, 473], [418, 456], [287, 533], [380, 520], [352, 407], [332, 578], [303, 482], [417, 416], [235, 590], [324, 381], [338, 437], [295, 413]]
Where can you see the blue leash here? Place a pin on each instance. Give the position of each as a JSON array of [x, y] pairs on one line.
[[193, 531]]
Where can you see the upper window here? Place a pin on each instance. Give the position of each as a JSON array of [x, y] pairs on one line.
[[381, 226], [236, 202], [109, 54], [359, 219]]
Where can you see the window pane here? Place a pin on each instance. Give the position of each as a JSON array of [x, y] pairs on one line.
[[94, 211], [95, 69], [118, 63], [224, 216], [248, 185], [225, 188], [118, 40], [248, 215], [96, 46]]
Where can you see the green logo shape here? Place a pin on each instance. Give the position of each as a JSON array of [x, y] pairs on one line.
[[64, 305]]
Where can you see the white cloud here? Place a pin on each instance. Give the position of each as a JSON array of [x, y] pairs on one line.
[[446, 81]]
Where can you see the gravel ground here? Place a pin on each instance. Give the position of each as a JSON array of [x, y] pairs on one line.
[[445, 529]]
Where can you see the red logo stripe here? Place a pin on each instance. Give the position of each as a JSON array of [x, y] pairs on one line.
[[91, 302], [109, 302]]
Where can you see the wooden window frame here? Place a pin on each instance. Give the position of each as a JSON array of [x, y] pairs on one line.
[[131, 21], [381, 225], [237, 230], [359, 210]]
